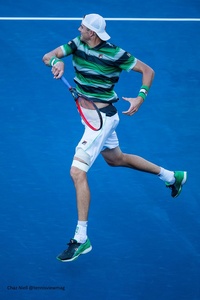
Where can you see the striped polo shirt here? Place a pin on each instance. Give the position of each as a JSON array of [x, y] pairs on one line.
[[98, 69]]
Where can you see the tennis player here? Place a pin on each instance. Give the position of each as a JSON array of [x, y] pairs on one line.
[[98, 65]]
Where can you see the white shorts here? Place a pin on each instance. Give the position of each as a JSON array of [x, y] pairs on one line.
[[93, 142]]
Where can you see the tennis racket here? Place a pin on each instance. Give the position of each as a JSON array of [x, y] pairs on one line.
[[87, 109]]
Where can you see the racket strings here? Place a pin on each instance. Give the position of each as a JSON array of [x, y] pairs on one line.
[[90, 113]]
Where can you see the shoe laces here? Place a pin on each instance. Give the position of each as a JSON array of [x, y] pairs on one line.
[[72, 241]]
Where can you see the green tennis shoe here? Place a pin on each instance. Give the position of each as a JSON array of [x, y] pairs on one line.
[[180, 180], [74, 250]]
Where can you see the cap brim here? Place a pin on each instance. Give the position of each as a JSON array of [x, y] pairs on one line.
[[103, 36]]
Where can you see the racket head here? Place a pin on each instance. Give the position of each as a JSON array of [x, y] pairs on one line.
[[89, 113]]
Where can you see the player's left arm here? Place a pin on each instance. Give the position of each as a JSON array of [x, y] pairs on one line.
[[147, 79]]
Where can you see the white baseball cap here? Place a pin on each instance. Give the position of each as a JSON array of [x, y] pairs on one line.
[[97, 24]]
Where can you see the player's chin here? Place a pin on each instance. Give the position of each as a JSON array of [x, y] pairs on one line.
[[82, 38]]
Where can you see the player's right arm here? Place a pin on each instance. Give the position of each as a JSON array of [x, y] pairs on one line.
[[53, 58], [54, 53]]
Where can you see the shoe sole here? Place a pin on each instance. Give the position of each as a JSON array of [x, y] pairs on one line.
[[75, 257], [184, 178]]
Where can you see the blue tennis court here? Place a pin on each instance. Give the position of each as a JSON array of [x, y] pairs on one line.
[[146, 244]]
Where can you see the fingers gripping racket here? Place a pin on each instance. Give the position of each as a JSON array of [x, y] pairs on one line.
[[86, 108]]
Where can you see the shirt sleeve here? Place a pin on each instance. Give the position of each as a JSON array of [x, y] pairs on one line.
[[66, 49], [127, 62], [70, 47]]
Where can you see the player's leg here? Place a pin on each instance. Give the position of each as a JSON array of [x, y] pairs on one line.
[[116, 158], [79, 178], [174, 180], [87, 150], [80, 244]]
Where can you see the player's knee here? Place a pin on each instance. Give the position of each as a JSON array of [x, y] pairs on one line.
[[76, 172], [112, 163], [115, 161], [80, 164]]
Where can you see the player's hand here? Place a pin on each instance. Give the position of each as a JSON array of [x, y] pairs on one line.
[[58, 70], [135, 104]]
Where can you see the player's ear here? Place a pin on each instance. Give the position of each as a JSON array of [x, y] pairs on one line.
[[93, 34]]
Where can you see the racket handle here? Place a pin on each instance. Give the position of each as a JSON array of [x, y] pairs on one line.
[[65, 82]]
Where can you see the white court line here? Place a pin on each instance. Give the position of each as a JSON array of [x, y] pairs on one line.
[[108, 19]]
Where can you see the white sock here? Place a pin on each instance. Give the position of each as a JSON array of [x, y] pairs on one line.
[[81, 232], [166, 175]]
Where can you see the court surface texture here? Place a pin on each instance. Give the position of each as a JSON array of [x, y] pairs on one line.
[[145, 244]]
